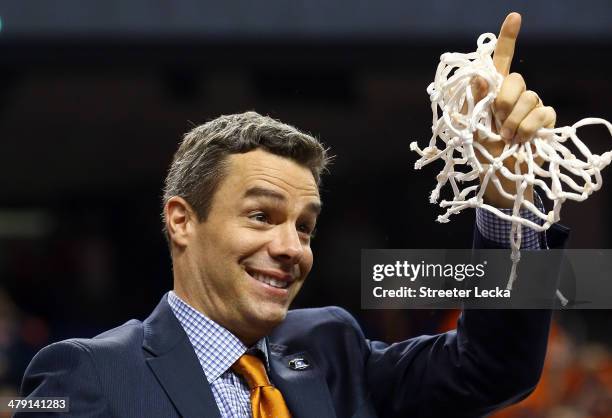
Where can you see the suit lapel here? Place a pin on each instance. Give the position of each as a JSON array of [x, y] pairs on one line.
[[305, 391], [175, 364]]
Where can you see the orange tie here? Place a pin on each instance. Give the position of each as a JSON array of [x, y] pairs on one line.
[[266, 400]]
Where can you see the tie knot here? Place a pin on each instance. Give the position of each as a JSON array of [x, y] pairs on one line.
[[252, 369]]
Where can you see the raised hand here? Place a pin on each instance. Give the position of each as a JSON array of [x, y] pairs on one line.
[[520, 111]]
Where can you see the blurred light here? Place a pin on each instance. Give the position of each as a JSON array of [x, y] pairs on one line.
[[29, 223], [35, 332]]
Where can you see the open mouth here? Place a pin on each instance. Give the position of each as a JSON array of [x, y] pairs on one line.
[[269, 280]]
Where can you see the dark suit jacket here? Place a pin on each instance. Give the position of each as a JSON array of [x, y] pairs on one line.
[[149, 369]]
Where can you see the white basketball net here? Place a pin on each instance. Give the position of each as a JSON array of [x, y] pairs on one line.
[[449, 91]]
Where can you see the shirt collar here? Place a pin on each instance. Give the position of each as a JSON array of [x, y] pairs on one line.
[[216, 347]]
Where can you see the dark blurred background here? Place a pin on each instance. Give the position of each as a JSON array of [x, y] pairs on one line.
[[95, 96]]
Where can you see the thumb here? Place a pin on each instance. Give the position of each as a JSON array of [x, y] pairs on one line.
[[480, 88]]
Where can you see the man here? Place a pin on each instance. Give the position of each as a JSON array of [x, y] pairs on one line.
[[240, 205]]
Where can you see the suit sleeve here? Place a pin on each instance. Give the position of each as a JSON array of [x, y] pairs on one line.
[[65, 369], [494, 358]]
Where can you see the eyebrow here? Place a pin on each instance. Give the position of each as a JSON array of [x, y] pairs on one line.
[[255, 192]]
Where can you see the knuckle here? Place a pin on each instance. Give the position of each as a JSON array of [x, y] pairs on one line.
[[503, 103], [502, 107], [541, 115], [525, 130], [512, 121], [522, 132], [530, 96], [517, 78], [551, 117]]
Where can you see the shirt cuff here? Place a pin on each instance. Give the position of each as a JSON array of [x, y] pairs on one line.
[[498, 230]]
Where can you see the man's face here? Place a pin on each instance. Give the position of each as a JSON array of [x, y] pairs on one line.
[[252, 254]]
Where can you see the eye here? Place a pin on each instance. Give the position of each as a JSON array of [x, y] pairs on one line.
[[259, 217], [307, 229]]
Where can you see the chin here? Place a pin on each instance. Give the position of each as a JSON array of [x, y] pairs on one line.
[[261, 322], [271, 316]]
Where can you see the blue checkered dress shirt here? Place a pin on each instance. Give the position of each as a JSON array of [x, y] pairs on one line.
[[217, 349], [498, 230]]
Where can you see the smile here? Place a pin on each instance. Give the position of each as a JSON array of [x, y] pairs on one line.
[[271, 281], [272, 278]]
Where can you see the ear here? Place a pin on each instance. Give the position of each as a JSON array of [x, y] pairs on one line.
[[180, 217]]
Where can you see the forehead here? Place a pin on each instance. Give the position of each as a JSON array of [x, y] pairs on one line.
[[259, 168]]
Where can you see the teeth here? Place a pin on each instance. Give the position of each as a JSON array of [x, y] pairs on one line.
[[270, 281]]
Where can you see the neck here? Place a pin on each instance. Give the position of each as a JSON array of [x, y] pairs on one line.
[[247, 336]]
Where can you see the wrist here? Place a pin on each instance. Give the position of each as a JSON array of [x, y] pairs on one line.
[[494, 198]]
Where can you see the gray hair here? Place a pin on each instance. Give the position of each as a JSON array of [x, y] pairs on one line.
[[199, 164]]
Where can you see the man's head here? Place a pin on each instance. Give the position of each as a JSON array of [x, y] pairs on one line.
[[240, 204]]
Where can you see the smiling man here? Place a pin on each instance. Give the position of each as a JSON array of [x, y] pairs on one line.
[[241, 201], [241, 256]]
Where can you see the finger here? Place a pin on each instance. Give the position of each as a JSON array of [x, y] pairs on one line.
[[504, 50], [526, 102], [538, 118], [511, 89]]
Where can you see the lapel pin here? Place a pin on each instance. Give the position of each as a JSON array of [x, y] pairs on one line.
[[299, 363]]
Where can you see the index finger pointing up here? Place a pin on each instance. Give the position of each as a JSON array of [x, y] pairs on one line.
[[504, 50]]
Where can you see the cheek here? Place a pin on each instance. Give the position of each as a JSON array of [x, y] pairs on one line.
[[306, 262], [247, 243]]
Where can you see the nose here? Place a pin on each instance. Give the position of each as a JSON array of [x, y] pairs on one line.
[[286, 245]]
